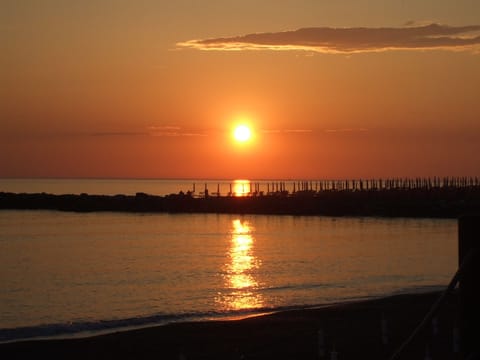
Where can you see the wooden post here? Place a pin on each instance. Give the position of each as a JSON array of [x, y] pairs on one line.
[[469, 240]]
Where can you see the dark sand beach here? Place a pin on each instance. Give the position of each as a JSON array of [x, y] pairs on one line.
[[353, 330]]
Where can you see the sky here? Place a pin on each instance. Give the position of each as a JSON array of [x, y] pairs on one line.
[[154, 89]]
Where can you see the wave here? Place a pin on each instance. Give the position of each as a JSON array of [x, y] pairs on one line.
[[305, 286], [92, 328]]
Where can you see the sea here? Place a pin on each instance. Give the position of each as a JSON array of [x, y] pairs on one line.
[[67, 274]]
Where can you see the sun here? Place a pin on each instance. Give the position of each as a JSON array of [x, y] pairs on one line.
[[242, 133]]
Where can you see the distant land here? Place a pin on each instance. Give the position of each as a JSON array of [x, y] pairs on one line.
[[435, 202]]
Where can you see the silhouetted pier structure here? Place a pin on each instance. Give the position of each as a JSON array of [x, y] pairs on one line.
[[417, 197], [314, 187]]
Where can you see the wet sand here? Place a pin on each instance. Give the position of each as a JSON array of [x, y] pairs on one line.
[[353, 330]]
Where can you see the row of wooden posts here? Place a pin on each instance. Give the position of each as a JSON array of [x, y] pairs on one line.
[[252, 188]]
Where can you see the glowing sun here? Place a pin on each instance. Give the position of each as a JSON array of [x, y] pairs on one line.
[[242, 133]]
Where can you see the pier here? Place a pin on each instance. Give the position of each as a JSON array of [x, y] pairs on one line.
[[439, 198], [315, 187]]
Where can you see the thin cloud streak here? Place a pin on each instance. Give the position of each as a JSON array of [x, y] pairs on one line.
[[176, 134], [171, 131], [113, 134], [168, 131], [279, 131], [346, 130], [297, 131], [350, 40], [164, 128]]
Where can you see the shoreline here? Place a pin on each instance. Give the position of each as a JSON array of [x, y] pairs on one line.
[[76, 330], [352, 328]]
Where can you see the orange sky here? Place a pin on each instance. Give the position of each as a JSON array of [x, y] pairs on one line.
[[149, 89]]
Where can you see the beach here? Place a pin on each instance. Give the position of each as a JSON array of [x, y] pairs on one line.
[[352, 330]]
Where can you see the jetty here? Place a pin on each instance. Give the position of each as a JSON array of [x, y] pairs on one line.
[[430, 197]]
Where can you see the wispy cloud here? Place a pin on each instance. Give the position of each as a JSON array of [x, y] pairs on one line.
[[350, 40], [171, 131], [346, 130], [297, 130], [112, 133], [165, 128], [283, 131]]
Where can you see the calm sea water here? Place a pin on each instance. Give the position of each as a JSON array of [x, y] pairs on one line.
[[103, 186], [69, 273], [150, 186], [131, 187]]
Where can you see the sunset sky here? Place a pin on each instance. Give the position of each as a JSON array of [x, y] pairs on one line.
[[154, 89]]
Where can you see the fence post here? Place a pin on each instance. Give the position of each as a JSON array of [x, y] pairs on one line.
[[469, 240]]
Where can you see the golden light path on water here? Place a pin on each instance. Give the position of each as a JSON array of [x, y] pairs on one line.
[[239, 278]]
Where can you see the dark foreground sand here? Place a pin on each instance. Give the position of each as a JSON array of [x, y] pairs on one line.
[[354, 330]]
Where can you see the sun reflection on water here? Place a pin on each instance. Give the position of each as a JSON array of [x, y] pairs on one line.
[[239, 270]]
